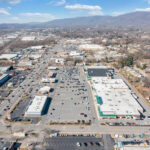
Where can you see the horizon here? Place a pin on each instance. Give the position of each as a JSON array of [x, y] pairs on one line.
[[74, 18], [27, 11]]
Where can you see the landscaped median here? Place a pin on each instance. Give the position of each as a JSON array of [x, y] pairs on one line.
[[88, 77], [69, 123]]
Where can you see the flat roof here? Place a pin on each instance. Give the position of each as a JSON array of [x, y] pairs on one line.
[[8, 56], [3, 76], [136, 148], [116, 97], [4, 68], [91, 46], [52, 68], [36, 106]]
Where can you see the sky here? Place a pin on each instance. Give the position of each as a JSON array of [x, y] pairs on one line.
[[24, 11]]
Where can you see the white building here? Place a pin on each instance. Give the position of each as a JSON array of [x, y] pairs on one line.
[[12, 36], [52, 68], [114, 98], [37, 47], [35, 56], [4, 78], [48, 80], [44, 90], [74, 53], [29, 38], [25, 64], [4, 69], [36, 107], [8, 56], [91, 47]]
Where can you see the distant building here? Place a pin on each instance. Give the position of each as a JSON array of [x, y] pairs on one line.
[[29, 38], [44, 90], [37, 47], [35, 56], [91, 47], [50, 74], [4, 69], [8, 56], [52, 68], [4, 78], [25, 64], [74, 53], [48, 80]]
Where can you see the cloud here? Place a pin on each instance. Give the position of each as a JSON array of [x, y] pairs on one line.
[[11, 1], [62, 2], [9, 8], [92, 10], [4, 12], [36, 17], [57, 3], [143, 9], [117, 13], [14, 1], [15, 19]]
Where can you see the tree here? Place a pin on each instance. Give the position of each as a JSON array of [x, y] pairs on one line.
[[144, 66], [129, 61], [146, 82]]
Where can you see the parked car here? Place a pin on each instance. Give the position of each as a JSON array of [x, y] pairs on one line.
[[78, 144]]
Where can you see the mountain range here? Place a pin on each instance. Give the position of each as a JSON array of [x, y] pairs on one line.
[[134, 19]]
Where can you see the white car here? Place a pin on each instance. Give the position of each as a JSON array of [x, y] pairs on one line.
[[78, 144]]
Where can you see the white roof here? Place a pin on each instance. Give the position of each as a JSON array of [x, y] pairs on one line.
[[116, 97], [8, 56], [90, 47], [47, 80], [35, 56], [4, 68], [74, 53], [25, 63], [107, 83], [3, 76], [28, 38], [37, 47], [37, 105], [52, 68], [45, 89]]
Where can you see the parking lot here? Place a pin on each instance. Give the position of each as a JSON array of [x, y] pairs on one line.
[[4, 93], [79, 143], [6, 145], [12, 83], [71, 99], [15, 80], [18, 113]]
